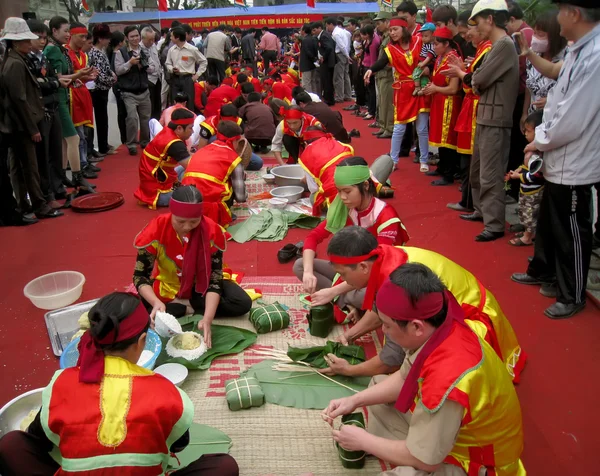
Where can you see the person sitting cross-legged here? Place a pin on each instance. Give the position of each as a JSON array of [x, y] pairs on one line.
[[451, 409], [164, 160]]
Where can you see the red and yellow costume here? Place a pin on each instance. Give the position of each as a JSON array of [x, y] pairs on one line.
[[199, 90], [80, 99], [289, 79], [161, 240], [211, 123], [466, 123], [112, 427], [482, 311], [406, 106], [282, 91], [224, 94], [157, 168], [319, 160], [307, 121], [210, 169], [444, 109]]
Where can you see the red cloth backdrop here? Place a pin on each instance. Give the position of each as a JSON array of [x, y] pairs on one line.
[[247, 21]]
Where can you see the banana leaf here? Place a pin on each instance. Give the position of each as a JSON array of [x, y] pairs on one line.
[[204, 440], [352, 459], [225, 340], [302, 390], [315, 356]]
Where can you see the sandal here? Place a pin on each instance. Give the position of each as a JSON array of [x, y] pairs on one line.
[[519, 242], [289, 252]]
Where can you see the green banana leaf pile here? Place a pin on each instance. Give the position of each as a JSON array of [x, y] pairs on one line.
[[315, 356], [225, 340], [270, 225], [204, 440]]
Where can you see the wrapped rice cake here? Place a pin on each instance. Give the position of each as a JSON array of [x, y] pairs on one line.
[[269, 318], [187, 345], [244, 392], [352, 459]]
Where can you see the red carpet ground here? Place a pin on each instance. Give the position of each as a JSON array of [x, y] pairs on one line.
[[558, 391]]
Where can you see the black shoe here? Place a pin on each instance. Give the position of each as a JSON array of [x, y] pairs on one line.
[[524, 278], [93, 168], [48, 212], [352, 107], [548, 290], [432, 173], [559, 310], [65, 180], [354, 133], [289, 252], [87, 173], [471, 217], [377, 133], [442, 181], [132, 150], [79, 180], [416, 160], [487, 235], [19, 221]]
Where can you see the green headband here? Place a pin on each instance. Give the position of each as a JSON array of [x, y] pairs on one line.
[[337, 215], [351, 175]]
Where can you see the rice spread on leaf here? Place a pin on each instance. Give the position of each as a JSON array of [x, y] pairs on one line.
[[188, 345]]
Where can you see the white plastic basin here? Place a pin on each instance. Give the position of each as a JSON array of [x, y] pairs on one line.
[[55, 290]]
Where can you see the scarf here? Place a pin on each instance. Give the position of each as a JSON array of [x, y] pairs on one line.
[[337, 215]]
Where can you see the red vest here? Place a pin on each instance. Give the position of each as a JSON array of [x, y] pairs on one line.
[[80, 103], [256, 83], [212, 122], [289, 80], [282, 91], [319, 160], [129, 420], [392, 258], [307, 121], [224, 94], [406, 106], [209, 170], [157, 169], [199, 88]]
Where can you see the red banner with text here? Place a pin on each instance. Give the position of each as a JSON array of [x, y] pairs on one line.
[[248, 21]]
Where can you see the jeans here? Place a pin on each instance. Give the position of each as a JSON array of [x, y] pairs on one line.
[[422, 124], [82, 146], [164, 198]]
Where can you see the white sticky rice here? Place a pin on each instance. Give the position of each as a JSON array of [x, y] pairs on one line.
[[167, 325], [173, 349]]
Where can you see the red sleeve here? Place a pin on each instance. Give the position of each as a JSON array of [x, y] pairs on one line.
[[316, 236], [393, 234], [198, 96]]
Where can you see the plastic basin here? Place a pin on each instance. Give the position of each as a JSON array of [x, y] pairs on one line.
[[55, 290]]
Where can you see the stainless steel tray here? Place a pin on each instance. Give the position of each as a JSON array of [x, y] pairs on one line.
[[62, 324]]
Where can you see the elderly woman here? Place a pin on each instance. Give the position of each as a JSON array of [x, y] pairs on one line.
[[92, 413], [179, 265]]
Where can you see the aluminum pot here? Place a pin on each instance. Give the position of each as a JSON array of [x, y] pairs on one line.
[[291, 193], [289, 175]]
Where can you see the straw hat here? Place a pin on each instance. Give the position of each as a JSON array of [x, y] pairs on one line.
[[16, 29]]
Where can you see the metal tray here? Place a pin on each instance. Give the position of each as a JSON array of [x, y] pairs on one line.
[[62, 324]]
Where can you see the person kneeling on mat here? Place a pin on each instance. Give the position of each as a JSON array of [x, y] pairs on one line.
[[290, 133], [96, 412], [187, 249], [164, 160], [456, 409]]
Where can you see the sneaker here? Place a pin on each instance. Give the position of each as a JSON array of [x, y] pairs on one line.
[[424, 168]]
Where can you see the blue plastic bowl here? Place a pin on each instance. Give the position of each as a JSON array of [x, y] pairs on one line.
[[71, 354]]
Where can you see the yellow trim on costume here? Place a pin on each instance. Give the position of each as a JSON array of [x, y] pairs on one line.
[[385, 224], [446, 146], [337, 157], [207, 126], [448, 105]]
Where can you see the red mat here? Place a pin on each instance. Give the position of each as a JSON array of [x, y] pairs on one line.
[[559, 386]]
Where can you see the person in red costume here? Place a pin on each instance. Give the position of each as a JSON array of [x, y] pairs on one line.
[[251, 79], [98, 410], [179, 266], [354, 205], [164, 159], [445, 106], [290, 133], [220, 95], [451, 409], [208, 127], [281, 90]]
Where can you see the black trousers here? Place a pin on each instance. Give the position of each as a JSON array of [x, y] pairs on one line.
[[563, 244], [597, 232], [269, 56], [467, 192], [360, 88], [260, 142], [448, 164], [8, 204], [89, 139], [182, 84], [372, 97], [156, 99], [100, 102], [23, 454], [292, 145], [327, 84], [518, 142], [25, 174], [215, 68], [49, 156], [234, 302], [121, 115]]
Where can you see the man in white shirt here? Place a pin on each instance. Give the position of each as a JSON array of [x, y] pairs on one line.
[[186, 64], [341, 74], [569, 138]]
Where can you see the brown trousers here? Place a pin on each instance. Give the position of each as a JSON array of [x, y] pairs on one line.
[[21, 454], [488, 167]]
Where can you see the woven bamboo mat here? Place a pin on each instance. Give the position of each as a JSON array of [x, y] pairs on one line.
[[271, 439]]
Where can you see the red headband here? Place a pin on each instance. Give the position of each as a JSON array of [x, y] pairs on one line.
[[443, 32], [346, 260], [183, 122], [398, 22], [291, 113], [79, 30], [226, 139], [186, 210], [91, 356], [394, 302], [268, 82]]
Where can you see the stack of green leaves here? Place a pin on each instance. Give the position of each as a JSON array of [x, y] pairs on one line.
[[225, 340], [244, 392], [315, 356], [352, 459], [269, 318], [204, 440], [270, 225], [320, 320]]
